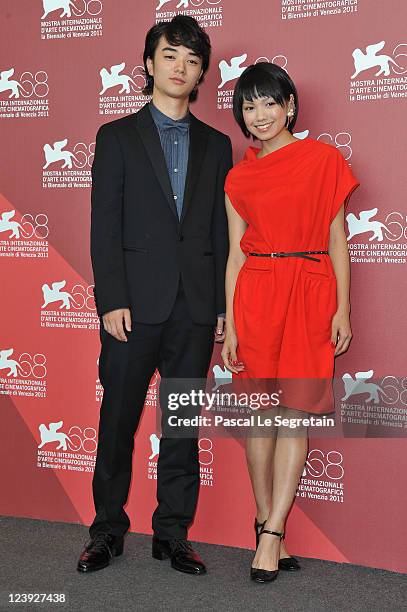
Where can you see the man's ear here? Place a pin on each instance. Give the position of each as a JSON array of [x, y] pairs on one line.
[[150, 66]]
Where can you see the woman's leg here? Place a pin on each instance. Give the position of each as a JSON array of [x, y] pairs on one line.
[[259, 457], [288, 463]]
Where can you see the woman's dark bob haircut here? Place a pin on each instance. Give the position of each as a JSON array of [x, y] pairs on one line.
[[263, 80], [181, 30]]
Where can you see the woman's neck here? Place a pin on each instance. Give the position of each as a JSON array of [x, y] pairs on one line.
[[279, 141]]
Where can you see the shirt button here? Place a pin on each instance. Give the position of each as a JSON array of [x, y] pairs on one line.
[[175, 197], [175, 169], [175, 141]]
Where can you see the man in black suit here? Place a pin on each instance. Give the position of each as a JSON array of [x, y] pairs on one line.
[[159, 248]]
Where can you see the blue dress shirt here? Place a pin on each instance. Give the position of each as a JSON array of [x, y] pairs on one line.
[[174, 137]]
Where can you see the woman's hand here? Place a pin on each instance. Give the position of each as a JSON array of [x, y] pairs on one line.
[[229, 352], [341, 331]]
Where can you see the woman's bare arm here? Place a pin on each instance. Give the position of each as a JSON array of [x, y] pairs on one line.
[[338, 251], [236, 259]]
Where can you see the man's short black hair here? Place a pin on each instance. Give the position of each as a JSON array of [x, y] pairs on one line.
[[260, 81], [181, 30]]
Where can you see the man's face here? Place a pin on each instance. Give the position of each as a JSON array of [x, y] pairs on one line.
[[176, 69]]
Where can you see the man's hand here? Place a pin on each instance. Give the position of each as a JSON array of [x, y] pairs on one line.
[[220, 329], [113, 323]]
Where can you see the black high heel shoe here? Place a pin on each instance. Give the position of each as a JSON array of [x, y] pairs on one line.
[[261, 575], [288, 564]]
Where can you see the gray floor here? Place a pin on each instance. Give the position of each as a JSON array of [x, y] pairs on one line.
[[40, 557]]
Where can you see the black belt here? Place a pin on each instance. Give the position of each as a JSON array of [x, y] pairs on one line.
[[303, 254]]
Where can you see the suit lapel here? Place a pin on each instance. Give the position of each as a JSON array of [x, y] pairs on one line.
[[197, 146], [148, 132], [198, 137]]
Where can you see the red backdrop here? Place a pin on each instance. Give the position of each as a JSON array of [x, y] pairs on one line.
[[64, 71]]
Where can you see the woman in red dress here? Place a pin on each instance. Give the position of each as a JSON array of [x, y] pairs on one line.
[[287, 283]]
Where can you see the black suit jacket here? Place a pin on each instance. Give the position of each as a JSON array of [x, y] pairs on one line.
[[139, 247]]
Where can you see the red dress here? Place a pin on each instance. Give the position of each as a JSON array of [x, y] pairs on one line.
[[283, 307]]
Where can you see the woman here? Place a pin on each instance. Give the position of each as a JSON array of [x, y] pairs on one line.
[[287, 283]]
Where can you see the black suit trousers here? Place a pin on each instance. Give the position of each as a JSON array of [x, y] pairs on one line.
[[178, 348]]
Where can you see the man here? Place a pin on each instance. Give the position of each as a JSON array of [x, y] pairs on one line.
[[159, 248]]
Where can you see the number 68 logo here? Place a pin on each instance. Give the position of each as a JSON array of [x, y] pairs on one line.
[[82, 439], [320, 464]]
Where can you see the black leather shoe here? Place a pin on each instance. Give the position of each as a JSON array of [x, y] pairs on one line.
[[261, 575], [98, 553], [182, 555], [289, 564]]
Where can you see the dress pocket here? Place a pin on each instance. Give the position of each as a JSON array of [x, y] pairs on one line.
[[322, 269], [258, 263]]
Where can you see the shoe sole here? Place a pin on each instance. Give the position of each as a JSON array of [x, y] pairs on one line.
[[87, 570], [263, 581]]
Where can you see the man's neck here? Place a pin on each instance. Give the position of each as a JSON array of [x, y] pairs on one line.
[[172, 107]]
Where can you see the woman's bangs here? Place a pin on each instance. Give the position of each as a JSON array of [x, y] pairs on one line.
[[259, 84]]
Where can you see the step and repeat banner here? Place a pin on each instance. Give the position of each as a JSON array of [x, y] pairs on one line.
[[66, 67]]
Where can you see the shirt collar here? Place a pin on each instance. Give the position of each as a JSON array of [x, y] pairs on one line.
[[160, 118]]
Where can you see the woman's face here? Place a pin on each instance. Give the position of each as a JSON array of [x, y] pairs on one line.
[[264, 118]]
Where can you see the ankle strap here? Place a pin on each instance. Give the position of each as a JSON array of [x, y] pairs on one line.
[[276, 533], [258, 525]]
